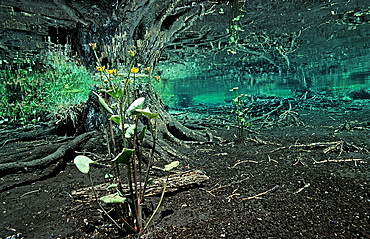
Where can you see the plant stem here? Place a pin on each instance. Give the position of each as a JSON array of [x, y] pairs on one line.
[[154, 135], [134, 175], [101, 207], [159, 203]]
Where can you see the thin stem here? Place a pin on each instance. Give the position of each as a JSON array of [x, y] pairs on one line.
[[154, 135], [101, 207], [134, 175], [159, 203]]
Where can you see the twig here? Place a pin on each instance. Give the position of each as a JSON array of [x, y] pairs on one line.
[[232, 195], [210, 191], [272, 160], [306, 185], [225, 186], [245, 161], [34, 191], [337, 160], [260, 141], [260, 194]]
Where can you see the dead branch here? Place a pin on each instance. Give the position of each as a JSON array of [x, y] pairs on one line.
[[175, 182]]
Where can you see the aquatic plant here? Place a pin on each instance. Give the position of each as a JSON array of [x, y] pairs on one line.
[[240, 113], [122, 112], [234, 29]]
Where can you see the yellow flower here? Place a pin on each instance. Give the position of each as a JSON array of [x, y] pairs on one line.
[[157, 78], [134, 70], [110, 72], [92, 45], [148, 69], [66, 86], [100, 68]]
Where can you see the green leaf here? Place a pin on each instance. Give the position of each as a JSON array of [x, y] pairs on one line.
[[104, 104], [114, 185], [146, 112], [142, 134], [130, 131], [232, 39], [171, 166], [124, 156], [83, 163], [237, 28], [116, 93], [113, 198], [116, 119], [150, 181], [137, 104], [237, 18], [108, 175]]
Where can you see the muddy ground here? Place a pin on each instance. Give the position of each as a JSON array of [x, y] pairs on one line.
[[294, 181]]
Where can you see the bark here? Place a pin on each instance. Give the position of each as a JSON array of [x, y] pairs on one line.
[[175, 182]]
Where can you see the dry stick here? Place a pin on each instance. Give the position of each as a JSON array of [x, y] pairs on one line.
[[269, 113], [245, 161], [272, 160], [330, 146], [337, 160], [225, 186], [260, 141], [312, 145], [260, 194], [210, 191], [34, 191], [306, 185]]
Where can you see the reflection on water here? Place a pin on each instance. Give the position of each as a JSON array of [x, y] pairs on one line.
[[215, 89], [202, 90]]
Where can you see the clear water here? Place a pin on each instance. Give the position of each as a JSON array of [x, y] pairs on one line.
[[181, 89]]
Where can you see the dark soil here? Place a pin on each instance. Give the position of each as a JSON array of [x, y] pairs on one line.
[[275, 185]]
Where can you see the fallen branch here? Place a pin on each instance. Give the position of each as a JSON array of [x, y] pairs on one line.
[[175, 182]]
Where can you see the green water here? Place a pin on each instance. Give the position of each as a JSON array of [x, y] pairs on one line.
[[187, 85]]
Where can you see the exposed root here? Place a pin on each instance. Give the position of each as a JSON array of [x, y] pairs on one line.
[[339, 146]]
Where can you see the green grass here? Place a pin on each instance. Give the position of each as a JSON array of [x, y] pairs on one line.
[[28, 95]]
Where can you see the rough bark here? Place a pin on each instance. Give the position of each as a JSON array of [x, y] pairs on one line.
[[175, 182]]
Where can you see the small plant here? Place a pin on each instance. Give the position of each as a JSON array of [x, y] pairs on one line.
[[122, 112], [240, 112], [117, 198]]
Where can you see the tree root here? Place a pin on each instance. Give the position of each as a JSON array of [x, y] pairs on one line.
[[12, 167]]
